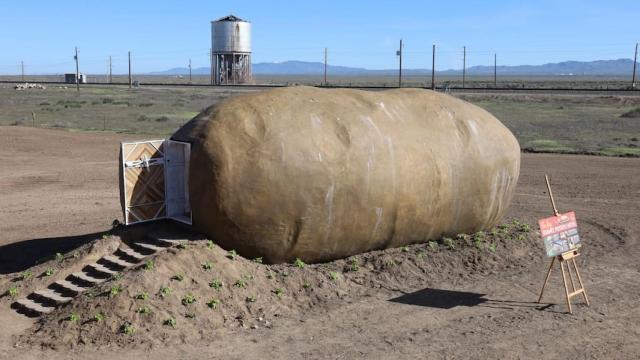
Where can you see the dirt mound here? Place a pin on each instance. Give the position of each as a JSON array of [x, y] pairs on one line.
[[197, 290]]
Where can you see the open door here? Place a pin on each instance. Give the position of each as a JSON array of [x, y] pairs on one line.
[[154, 181]]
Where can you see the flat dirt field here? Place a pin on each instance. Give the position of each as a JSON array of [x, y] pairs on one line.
[[60, 188]]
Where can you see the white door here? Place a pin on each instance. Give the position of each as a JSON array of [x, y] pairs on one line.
[[154, 181]]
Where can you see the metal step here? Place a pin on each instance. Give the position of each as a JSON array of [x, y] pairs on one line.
[[85, 277], [118, 261], [50, 294], [71, 286], [132, 253], [103, 269], [34, 306]]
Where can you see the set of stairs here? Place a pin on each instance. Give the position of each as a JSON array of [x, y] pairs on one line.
[[64, 291]]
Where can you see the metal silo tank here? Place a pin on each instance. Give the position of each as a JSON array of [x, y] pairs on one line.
[[231, 47]]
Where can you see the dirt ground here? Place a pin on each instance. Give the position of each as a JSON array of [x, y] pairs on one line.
[[58, 185]]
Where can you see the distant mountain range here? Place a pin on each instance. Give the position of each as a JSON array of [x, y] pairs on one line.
[[598, 67]]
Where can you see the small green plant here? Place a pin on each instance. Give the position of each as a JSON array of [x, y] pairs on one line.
[[284, 273], [241, 283], [26, 275], [333, 275], [306, 286], [145, 310], [492, 247], [165, 291], [182, 246], [270, 275], [127, 329], [251, 298], [404, 249], [494, 232], [178, 277], [278, 291], [90, 294], [419, 255], [207, 265], [258, 260], [521, 237], [213, 303], [216, 284], [99, 317], [73, 317], [190, 315], [353, 265], [478, 244], [210, 244], [480, 235], [149, 265], [49, 272], [299, 263], [516, 223], [115, 290], [448, 242], [117, 276], [188, 299], [433, 245], [232, 254], [13, 291], [525, 228], [59, 257], [171, 322], [142, 296]]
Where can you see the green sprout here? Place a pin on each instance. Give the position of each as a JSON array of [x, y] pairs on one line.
[[353, 265], [145, 310], [49, 272], [433, 245], [449, 243], [213, 303], [73, 317], [188, 299], [171, 322], [190, 315], [182, 246], [404, 249], [492, 247], [278, 291], [26, 275], [306, 286], [232, 254], [117, 276], [115, 290], [165, 291], [149, 265], [216, 284], [142, 296], [99, 317], [127, 329], [299, 263], [251, 298], [241, 283], [59, 257], [178, 277], [210, 244], [270, 275], [258, 260], [333, 275], [206, 265]]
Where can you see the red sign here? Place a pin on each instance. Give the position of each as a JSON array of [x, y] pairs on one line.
[[560, 233]]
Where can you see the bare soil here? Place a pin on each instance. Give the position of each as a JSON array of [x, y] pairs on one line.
[[458, 299]]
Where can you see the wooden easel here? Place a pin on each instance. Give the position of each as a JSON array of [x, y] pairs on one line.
[[568, 258]]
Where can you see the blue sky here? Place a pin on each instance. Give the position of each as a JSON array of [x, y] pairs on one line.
[[165, 34]]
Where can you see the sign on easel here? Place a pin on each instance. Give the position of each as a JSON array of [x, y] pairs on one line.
[[560, 233], [561, 243]]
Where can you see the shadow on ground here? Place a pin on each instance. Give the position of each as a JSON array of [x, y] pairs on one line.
[[448, 299], [19, 256]]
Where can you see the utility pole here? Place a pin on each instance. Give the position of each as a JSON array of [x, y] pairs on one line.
[[433, 68], [325, 66], [189, 70], [110, 71], [635, 60], [77, 71], [211, 65], [399, 53], [22, 65], [464, 64], [129, 69], [495, 70]]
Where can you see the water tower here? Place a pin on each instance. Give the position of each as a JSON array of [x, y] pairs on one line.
[[231, 50]]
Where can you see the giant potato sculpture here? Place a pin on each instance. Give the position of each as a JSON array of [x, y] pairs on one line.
[[320, 174]]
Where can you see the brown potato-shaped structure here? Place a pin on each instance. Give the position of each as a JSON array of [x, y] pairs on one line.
[[321, 174]]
